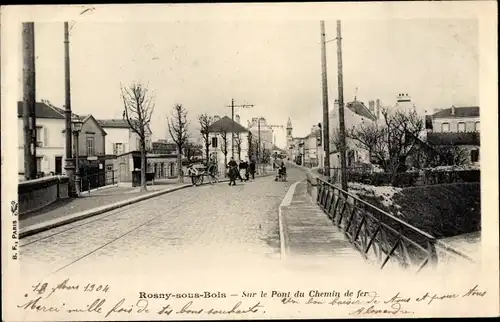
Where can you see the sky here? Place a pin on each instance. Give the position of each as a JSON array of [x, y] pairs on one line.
[[275, 65]]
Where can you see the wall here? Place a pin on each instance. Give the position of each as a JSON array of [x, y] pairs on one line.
[[116, 135], [469, 123], [53, 144], [38, 193], [165, 166], [91, 129], [220, 155], [134, 141]]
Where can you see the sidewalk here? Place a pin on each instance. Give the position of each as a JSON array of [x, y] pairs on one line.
[[88, 201], [97, 202], [308, 234]]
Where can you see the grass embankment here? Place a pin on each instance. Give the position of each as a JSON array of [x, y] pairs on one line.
[[443, 210]]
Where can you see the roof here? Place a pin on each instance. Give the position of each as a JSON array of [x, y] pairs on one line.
[[44, 111], [460, 111], [227, 124], [114, 123], [276, 148], [451, 138], [313, 134], [88, 117], [360, 109]]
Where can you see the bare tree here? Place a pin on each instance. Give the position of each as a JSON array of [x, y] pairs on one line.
[[371, 138], [391, 142], [138, 108], [224, 145], [451, 155], [250, 145], [178, 129], [257, 151], [205, 122], [238, 141]]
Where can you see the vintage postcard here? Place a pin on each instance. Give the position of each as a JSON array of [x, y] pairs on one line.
[[249, 161]]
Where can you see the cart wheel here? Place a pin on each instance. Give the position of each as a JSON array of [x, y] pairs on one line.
[[198, 180]]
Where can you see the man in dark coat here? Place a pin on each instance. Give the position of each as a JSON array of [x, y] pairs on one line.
[[233, 171], [252, 169]]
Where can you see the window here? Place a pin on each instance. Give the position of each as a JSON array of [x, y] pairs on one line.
[[445, 127], [118, 148], [474, 155], [90, 146], [39, 138], [214, 142], [477, 126], [461, 126]]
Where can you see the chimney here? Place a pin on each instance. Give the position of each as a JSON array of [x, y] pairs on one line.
[[377, 107], [403, 97], [404, 101], [453, 110], [237, 119], [371, 106]]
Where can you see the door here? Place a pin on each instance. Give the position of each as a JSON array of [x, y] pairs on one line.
[[58, 168]]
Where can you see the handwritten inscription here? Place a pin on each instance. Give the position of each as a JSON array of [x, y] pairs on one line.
[[360, 303]]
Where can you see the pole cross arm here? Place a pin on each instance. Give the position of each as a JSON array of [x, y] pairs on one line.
[[243, 106]]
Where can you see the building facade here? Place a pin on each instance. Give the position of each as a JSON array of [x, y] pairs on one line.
[[121, 138], [220, 135], [456, 126], [355, 114], [51, 139]]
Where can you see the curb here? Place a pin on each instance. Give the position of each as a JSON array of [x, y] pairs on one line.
[[287, 200], [97, 189], [38, 228], [41, 227]]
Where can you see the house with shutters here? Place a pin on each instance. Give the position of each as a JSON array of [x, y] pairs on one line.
[[51, 139], [124, 144], [220, 136], [120, 138]]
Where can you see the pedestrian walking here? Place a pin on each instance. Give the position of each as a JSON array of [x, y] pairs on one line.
[[244, 170], [233, 171], [252, 169]]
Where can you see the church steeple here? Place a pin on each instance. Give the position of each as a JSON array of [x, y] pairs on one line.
[[289, 128], [289, 124]]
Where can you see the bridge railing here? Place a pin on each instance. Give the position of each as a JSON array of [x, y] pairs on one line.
[[378, 235]]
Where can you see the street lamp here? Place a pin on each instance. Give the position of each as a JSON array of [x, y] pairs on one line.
[[76, 127]]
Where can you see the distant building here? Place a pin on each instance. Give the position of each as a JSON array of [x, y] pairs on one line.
[[124, 144], [456, 126], [217, 147], [121, 138], [355, 114], [295, 146], [266, 131], [163, 147]]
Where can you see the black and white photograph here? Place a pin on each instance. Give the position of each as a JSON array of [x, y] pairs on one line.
[[244, 161]]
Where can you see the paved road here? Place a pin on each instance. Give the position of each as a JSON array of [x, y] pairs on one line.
[[207, 225]]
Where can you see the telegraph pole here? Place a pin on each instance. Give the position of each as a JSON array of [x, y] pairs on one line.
[[69, 165], [326, 134], [341, 110], [258, 149], [232, 119], [29, 100]]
